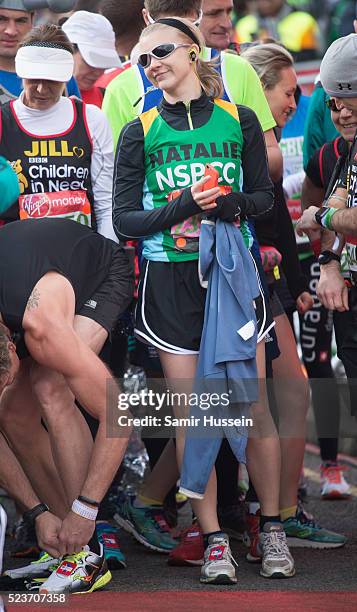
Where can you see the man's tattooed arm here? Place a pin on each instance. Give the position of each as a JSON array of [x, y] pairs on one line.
[[33, 300]]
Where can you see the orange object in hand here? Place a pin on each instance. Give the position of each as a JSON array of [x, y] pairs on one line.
[[213, 175]]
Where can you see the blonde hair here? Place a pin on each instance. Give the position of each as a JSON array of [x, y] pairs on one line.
[[268, 60], [206, 71]]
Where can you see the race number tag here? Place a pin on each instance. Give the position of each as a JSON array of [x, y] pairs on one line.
[[57, 205], [189, 228], [351, 255]]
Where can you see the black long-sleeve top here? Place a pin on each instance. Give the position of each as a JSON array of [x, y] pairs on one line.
[[131, 221], [278, 231]]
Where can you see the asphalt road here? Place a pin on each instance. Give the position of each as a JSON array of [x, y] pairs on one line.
[[318, 571]]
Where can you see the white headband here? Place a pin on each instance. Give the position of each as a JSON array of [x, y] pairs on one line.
[[44, 62]]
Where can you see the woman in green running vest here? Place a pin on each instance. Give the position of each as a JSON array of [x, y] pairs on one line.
[[159, 198]]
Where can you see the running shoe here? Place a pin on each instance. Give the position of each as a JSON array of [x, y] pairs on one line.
[[42, 568], [190, 550], [108, 537], [251, 538], [304, 532], [11, 584], [232, 520], [277, 561], [25, 541], [333, 483], [148, 526], [3, 523], [218, 567], [83, 572]]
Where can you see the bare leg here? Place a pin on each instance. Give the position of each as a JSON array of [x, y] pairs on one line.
[[164, 475], [71, 439], [14, 480], [292, 395], [53, 342], [183, 367], [20, 420], [263, 449]]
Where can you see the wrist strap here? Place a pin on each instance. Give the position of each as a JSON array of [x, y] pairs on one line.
[[31, 515], [326, 218], [87, 500], [84, 511]]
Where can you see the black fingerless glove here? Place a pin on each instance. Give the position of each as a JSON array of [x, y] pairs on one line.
[[229, 207]]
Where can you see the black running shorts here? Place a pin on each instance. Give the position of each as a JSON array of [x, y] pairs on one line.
[[114, 295], [170, 309]]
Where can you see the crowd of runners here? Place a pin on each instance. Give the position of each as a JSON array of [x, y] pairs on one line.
[[172, 202]]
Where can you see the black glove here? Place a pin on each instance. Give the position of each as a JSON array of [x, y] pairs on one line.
[[229, 207]]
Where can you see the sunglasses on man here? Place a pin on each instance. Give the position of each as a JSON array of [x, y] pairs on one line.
[[331, 105]]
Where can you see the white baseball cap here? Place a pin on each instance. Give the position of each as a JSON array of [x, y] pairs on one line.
[[95, 38]]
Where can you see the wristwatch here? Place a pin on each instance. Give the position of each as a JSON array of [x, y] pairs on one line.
[[320, 214], [326, 256], [30, 515]]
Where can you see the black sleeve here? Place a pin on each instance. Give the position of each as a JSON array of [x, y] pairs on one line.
[[286, 244], [130, 220], [342, 178], [313, 169], [257, 190]]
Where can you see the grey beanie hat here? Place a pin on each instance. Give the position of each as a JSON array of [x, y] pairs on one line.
[[14, 5], [338, 70]]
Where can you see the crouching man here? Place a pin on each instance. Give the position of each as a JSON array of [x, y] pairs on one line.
[[62, 288]]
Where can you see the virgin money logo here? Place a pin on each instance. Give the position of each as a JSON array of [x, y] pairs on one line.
[[37, 205]]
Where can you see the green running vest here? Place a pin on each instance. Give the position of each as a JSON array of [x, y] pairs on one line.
[[176, 159]]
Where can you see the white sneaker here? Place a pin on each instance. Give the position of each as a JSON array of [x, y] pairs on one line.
[[41, 568], [3, 523], [218, 567], [83, 572], [333, 483], [277, 561]]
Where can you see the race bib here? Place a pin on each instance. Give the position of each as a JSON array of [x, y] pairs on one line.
[[189, 228], [57, 205], [351, 255]]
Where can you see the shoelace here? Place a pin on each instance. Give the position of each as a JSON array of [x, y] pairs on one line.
[[307, 521], [275, 544], [303, 515], [75, 557], [231, 558]]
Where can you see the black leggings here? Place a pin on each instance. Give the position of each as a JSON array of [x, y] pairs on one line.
[[346, 339], [315, 338]]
